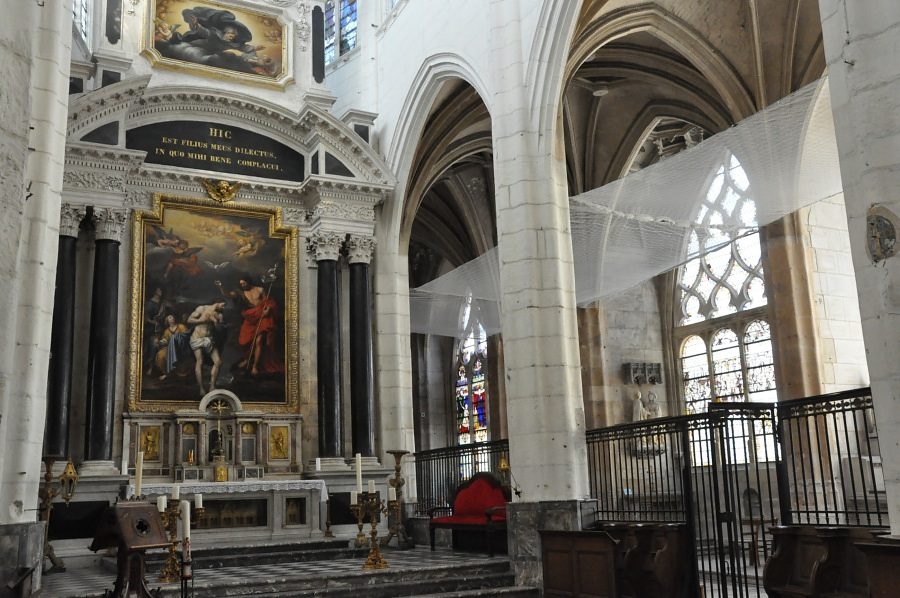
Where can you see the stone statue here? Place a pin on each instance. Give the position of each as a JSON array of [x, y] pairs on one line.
[[639, 412], [653, 407]]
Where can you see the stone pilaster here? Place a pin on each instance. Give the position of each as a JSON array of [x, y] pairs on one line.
[[109, 226], [327, 247], [360, 250], [861, 41]]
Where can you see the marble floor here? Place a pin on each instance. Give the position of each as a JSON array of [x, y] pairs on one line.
[[91, 582]]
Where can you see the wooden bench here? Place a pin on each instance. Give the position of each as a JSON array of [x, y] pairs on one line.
[[479, 506]]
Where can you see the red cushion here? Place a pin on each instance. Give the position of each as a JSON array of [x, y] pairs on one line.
[[479, 496], [462, 519]]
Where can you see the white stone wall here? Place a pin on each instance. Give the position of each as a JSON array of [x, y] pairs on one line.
[[861, 44], [38, 40], [842, 354]]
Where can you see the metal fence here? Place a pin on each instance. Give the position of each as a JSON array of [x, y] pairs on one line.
[[734, 471], [728, 474], [440, 471]]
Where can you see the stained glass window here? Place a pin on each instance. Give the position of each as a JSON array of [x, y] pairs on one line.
[[340, 28], [81, 16], [471, 390]]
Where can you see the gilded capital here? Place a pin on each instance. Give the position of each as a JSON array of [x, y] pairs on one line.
[[325, 245], [70, 217], [360, 249], [109, 223]]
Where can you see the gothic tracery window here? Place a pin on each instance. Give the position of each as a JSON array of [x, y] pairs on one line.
[[723, 339]]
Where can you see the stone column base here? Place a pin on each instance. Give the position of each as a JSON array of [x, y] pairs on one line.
[[98, 469], [524, 519], [21, 558], [327, 464]]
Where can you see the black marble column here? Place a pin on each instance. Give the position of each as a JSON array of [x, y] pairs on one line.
[[101, 385], [59, 378], [362, 397], [328, 343]]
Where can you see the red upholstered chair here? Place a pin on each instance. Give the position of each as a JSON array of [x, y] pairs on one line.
[[479, 505]]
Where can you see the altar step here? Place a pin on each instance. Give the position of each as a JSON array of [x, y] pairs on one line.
[[492, 578], [218, 557]]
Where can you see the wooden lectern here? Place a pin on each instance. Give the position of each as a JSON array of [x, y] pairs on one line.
[[133, 527]]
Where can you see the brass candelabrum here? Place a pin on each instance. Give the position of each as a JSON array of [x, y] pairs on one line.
[[396, 528], [67, 482], [369, 505], [171, 571]]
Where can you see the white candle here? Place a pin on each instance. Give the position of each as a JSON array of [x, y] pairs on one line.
[[198, 501], [176, 491], [372, 487], [358, 472], [354, 497], [138, 473], [186, 519], [161, 503], [392, 494], [318, 464]]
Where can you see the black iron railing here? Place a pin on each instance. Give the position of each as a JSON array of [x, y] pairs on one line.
[[729, 474], [440, 471], [832, 461]]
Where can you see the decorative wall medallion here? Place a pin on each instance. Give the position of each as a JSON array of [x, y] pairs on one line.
[[218, 39], [150, 442], [188, 429], [220, 191], [279, 443], [248, 428], [881, 234]]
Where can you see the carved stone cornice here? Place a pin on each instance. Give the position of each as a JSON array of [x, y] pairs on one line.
[[325, 245], [156, 179], [352, 211], [110, 223], [99, 169], [70, 217], [360, 250], [107, 104]]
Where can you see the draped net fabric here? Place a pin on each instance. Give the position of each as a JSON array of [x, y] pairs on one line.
[[639, 226]]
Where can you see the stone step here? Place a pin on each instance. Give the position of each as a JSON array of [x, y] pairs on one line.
[[384, 583], [218, 558], [504, 592]]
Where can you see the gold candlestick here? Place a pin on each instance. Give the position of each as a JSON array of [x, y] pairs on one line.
[[171, 571], [373, 507], [359, 512]]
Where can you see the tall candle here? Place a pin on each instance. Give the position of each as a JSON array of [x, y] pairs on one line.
[[176, 491], [198, 501], [392, 494], [161, 503], [354, 497], [186, 519], [358, 472], [372, 487], [138, 473]]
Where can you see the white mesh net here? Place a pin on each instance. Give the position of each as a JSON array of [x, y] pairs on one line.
[[767, 166]]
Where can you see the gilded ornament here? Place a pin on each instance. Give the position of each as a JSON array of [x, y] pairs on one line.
[[220, 191]]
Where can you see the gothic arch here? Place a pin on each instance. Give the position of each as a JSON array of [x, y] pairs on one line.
[[677, 34]]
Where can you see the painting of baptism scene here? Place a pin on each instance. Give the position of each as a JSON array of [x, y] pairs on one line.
[[206, 34], [213, 306]]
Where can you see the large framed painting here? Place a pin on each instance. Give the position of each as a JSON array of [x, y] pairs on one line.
[[218, 39], [214, 306]]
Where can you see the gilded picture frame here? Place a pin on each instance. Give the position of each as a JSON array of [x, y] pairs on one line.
[[219, 39], [214, 285]]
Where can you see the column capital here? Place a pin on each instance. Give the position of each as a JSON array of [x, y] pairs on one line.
[[360, 249], [109, 223], [70, 217], [325, 245]]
